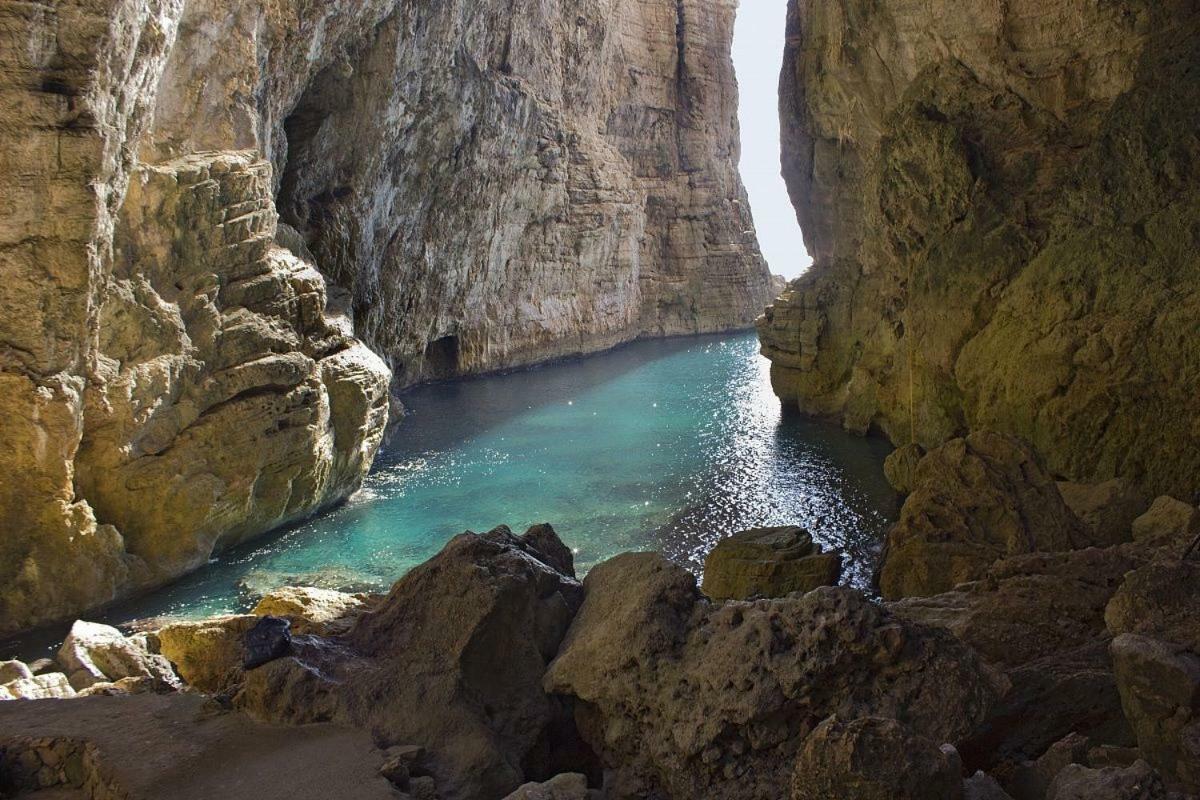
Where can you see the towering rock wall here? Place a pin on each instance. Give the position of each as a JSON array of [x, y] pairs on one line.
[[1001, 200], [465, 186]]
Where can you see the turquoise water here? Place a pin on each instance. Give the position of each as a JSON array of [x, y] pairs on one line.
[[665, 445]]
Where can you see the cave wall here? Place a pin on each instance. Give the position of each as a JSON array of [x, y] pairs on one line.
[[1001, 202], [463, 186]]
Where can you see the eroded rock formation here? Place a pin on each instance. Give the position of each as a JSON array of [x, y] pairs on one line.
[[475, 185], [999, 198]]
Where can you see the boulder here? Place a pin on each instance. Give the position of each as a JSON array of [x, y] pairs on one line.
[[94, 653], [1107, 508], [974, 500], [1169, 523], [873, 759], [208, 654], [900, 467], [308, 608], [51, 686], [452, 659], [682, 697], [1138, 782], [1031, 780], [768, 562], [1161, 600], [568, 786], [982, 786], [14, 671], [1159, 684], [270, 639], [1029, 606]]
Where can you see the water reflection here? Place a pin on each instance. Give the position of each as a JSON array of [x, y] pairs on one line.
[[666, 445]]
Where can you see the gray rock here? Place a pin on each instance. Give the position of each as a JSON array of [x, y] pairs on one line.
[[94, 653]]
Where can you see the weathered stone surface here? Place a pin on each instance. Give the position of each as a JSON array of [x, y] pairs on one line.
[[568, 786], [974, 181], [900, 467], [94, 653], [1160, 691], [207, 654], [52, 685], [983, 787], [152, 747], [873, 759], [1160, 600], [483, 185], [695, 700], [310, 609], [1032, 779], [974, 500], [1041, 617], [1169, 523], [14, 670], [451, 660], [1029, 606], [768, 562], [1138, 782], [1107, 508]]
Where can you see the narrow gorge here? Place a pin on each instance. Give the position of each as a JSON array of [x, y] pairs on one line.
[[229, 229], [314, 311]]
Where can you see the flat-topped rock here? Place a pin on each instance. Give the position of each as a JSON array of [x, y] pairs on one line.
[[768, 562], [151, 747]]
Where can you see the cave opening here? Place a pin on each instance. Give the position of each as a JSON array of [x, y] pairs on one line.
[[442, 358]]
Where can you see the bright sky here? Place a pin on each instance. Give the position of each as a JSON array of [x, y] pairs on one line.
[[758, 56]]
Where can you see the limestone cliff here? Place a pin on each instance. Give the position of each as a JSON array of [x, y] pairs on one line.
[[1000, 199], [477, 185]]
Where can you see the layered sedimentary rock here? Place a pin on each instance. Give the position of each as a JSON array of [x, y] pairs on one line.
[[1000, 201], [475, 185]]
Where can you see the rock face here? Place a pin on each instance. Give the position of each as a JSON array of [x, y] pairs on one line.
[[687, 699], [451, 660], [476, 185], [874, 759], [972, 501], [768, 562], [998, 198]]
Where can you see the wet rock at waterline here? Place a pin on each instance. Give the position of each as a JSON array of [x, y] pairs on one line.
[[768, 562]]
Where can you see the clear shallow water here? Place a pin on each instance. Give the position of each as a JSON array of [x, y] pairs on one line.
[[663, 445]]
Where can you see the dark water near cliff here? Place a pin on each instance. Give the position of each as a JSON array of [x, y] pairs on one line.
[[665, 445]]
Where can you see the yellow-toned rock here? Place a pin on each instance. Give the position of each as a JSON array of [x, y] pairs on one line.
[[768, 562]]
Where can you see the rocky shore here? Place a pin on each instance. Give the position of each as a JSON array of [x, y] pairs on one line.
[[1039, 644]]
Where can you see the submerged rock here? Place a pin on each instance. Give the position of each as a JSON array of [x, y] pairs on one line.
[[974, 500], [768, 562], [874, 759], [680, 696]]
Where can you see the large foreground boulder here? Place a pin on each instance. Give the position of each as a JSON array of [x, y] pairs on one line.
[[452, 660], [974, 500], [700, 701], [768, 562]]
